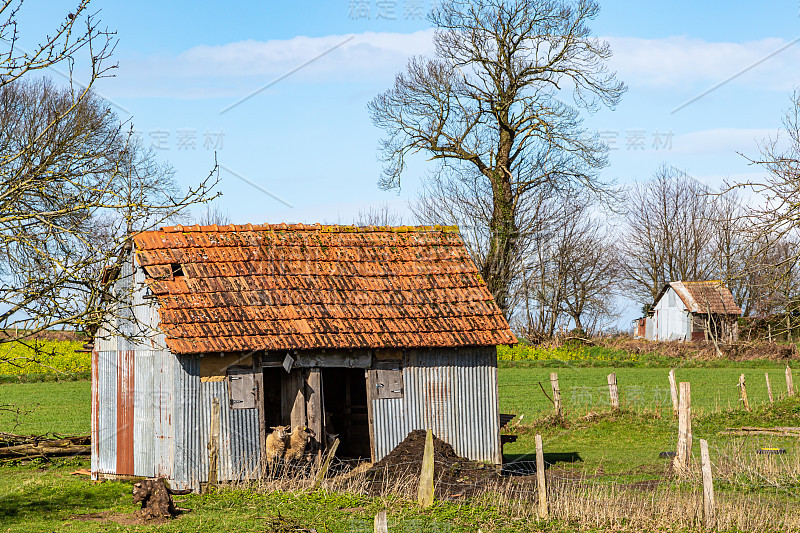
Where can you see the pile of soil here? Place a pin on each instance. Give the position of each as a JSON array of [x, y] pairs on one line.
[[454, 476]]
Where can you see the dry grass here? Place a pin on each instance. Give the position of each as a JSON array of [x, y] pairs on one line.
[[590, 502]]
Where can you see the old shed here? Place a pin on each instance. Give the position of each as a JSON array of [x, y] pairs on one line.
[[365, 332], [692, 311]]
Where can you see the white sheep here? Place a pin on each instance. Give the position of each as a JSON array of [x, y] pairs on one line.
[[298, 441], [276, 444]]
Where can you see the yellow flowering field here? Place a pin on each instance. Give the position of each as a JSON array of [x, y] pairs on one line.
[[567, 352], [42, 357]]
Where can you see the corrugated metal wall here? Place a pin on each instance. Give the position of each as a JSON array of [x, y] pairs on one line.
[[151, 413], [453, 392]]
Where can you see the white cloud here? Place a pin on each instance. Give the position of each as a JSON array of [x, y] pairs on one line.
[[678, 61], [225, 70]]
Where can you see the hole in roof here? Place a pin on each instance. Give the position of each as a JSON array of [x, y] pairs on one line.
[[177, 269]]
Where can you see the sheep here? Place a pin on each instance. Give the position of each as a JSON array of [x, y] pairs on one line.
[[276, 444], [298, 441]]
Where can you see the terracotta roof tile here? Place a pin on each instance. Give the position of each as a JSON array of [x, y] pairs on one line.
[[276, 287]]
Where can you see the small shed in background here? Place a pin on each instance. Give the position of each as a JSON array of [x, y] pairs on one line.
[[693, 311], [369, 333]]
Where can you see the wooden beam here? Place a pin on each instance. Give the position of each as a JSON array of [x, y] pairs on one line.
[[370, 417], [314, 407]]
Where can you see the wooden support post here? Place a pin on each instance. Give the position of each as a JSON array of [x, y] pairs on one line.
[[213, 443], [673, 392], [709, 513], [314, 410], [612, 390], [293, 398], [684, 451], [425, 495], [789, 381], [743, 393], [381, 523], [258, 381], [540, 479], [769, 387], [323, 470], [556, 393]]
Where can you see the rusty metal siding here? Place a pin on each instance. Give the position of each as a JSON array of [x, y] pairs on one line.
[[453, 392], [95, 439], [125, 398], [105, 460], [184, 422], [239, 442], [143, 415]]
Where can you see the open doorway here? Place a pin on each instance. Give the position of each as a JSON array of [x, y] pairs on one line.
[[273, 408], [346, 415]]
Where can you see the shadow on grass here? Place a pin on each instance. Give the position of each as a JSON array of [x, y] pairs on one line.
[[25, 497], [525, 463]]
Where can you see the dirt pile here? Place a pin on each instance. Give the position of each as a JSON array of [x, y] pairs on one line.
[[454, 476]]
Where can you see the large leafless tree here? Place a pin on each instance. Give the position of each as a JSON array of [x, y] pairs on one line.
[[74, 184], [498, 108]]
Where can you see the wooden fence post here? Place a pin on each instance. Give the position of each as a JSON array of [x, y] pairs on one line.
[[743, 393], [673, 392], [789, 381], [612, 390], [540, 480], [709, 512], [556, 393], [769, 387], [684, 451], [213, 443], [425, 495], [326, 464], [381, 523]]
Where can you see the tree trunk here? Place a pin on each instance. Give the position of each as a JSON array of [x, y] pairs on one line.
[[156, 498], [497, 270]]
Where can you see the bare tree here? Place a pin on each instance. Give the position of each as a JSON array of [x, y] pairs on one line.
[[491, 109], [380, 215], [570, 276], [667, 233], [74, 184], [213, 214]]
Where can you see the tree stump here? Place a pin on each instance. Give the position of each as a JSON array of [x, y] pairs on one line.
[[156, 498]]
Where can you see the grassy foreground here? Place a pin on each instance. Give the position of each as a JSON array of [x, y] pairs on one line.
[[615, 449]]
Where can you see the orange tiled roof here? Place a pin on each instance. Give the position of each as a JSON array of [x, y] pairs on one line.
[[277, 287]]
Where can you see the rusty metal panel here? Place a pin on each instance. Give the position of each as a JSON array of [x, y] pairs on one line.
[[186, 447], [125, 391], [163, 409], [95, 437], [239, 442], [105, 446], [453, 392], [143, 415]]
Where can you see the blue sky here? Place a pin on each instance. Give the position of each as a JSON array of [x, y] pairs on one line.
[[308, 140]]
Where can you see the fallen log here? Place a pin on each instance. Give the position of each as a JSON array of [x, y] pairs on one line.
[[24, 450], [17, 446]]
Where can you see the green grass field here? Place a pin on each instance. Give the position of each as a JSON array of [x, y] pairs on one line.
[[623, 446]]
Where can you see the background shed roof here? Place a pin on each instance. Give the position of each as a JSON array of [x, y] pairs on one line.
[[704, 297]]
